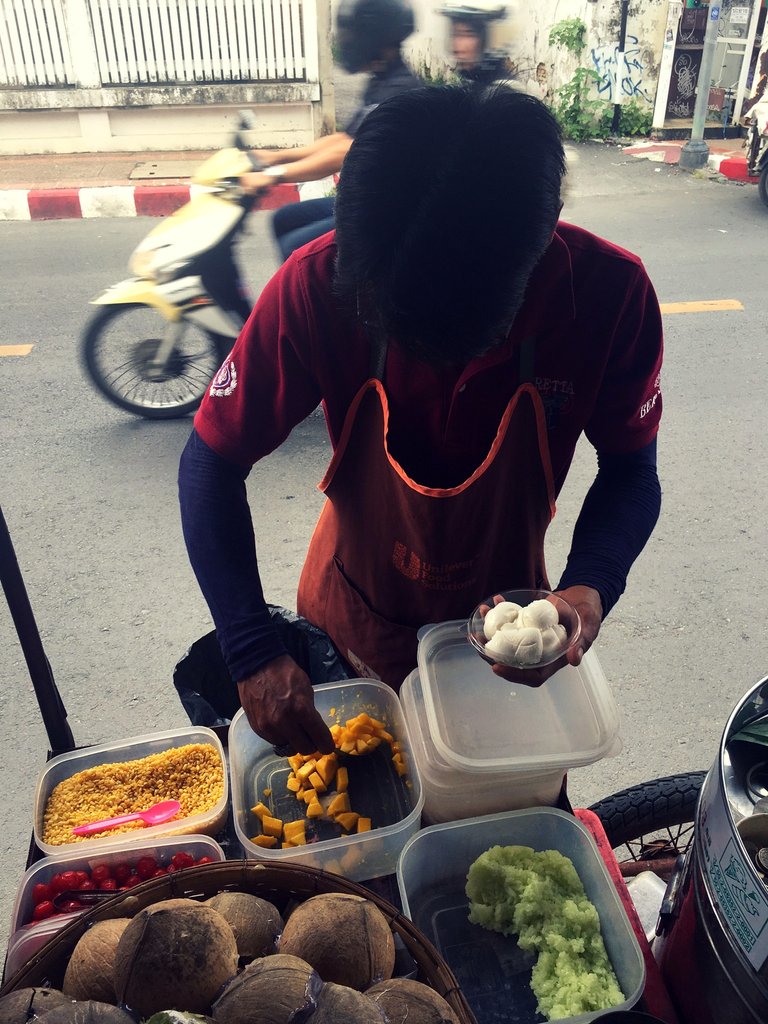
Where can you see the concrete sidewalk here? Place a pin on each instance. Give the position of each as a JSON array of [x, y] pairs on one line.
[[726, 156]]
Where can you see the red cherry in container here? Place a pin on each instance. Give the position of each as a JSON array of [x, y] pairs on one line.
[[56, 884], [146, 867], [82, 878], [160, 873], [108, 885], [100, 874], [40, 893], [122, 872], [43, 910], [183, 860], [132, 880], [69, 880], [205, 860], [88, 887]]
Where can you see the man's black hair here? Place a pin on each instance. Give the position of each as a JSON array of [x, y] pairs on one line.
[[447, 201]]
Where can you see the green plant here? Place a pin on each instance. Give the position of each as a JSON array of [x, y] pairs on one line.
[[636, 118], [580, 116], [570, 33]]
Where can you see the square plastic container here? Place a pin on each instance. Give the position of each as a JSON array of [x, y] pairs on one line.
[[479, 722], [66, 765], [494, 974], [375, 789], [451, 794]]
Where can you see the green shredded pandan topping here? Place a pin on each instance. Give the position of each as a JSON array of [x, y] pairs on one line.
[[540, 898]]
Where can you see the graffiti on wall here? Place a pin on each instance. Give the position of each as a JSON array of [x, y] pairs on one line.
[[617, 76]]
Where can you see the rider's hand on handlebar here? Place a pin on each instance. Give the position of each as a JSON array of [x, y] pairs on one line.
[[279, 703], [254, 182], [587, 603]]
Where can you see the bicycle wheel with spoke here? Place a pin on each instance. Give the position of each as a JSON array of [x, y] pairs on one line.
[[119, 347], [651, 824]]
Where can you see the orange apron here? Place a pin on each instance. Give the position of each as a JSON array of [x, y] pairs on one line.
[[389, 555]]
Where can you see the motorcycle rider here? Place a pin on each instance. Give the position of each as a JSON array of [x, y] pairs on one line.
[[369, 35], [470, 22]]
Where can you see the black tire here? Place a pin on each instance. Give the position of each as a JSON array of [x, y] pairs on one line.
[[762, 185], [653, 820], [115, 354]]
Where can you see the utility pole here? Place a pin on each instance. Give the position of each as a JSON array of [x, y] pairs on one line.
[[620, 66], [695, 152]]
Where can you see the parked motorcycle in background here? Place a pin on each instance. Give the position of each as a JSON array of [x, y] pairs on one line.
[[757, 147], [158, 337]]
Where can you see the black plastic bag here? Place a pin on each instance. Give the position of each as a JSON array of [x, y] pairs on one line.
[[208, 692]]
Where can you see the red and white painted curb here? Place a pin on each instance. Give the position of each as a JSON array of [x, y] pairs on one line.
[[130, 200], [730, 163]]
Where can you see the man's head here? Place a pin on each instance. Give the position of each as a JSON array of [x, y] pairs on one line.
[[447, 201], [371, 30], [469, 24]]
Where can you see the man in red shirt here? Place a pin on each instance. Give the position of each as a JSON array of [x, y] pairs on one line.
[[461, 340]]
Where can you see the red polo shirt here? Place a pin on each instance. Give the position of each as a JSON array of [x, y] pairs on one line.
[[589, 336]]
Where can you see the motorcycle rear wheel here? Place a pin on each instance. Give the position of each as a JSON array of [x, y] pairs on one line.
[[118, 346], [762, 185]]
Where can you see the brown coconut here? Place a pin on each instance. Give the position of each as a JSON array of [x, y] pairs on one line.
[[273, 990], [27, 1003], [174, 955], [345, 938], [88, 1012], [404, 1000], [91, 968], [338, 1004], [255, 922]]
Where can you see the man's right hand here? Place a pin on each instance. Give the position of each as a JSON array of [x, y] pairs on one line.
[[279, 703]]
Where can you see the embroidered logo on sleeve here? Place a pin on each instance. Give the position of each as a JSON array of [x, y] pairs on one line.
[[646, 407], [225, 381]]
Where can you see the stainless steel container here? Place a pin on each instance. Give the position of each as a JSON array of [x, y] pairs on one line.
[[714, 953]]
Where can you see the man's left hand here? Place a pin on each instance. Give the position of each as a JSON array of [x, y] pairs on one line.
[[254, 182], [587, 603]]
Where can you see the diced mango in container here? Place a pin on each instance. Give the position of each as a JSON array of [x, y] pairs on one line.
[[362, 746], [272, 826], [348, 747], [266, 841], [291, 828], [326, 767], [396, 748], [308, 796], [260, 810], [298, 840], [363, 824], [335, 730], [306, 770], [373, 742], [350, 860], [339, 804], [347, 820], [293, 784], [317, 783], [376, 724], [384, 735], [342, 779], [288, 844], [296, 761], [315, 809]]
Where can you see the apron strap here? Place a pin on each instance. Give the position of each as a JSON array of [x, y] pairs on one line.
[[379, 346], [525, 366]]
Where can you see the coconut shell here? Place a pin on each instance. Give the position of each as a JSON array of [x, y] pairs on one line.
[[255, 922], [404, 1000], [345, 938], [91, 968], [338, 1004], [273, 990], [88, 1012], [27, 1003], [176, 954]]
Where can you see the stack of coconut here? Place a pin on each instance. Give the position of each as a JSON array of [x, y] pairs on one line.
[[330, 963]]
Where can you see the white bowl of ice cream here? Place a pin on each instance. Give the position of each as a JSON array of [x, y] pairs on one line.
[[524, 629]]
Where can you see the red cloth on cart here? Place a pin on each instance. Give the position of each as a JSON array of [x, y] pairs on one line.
[[655, 998]]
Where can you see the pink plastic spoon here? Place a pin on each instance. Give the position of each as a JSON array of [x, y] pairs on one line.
[[155, 815]]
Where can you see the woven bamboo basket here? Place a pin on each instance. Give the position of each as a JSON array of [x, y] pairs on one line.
[[281, 884]]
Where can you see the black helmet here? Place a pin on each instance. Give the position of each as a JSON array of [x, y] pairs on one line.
[[367, 27]]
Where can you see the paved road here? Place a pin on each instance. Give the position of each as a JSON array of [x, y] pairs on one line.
[[89, 494]]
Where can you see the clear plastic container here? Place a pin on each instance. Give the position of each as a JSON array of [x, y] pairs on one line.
[[494, 974], [479, 722], [127, 850], [66, 765], [392, 802], [451, 794]]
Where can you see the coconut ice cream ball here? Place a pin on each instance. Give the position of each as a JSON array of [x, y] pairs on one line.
[[541, 614], [506, 612], [552, 639], [512, 646]]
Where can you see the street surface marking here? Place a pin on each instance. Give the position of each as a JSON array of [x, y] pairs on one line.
[[705, 306], [15, 350]]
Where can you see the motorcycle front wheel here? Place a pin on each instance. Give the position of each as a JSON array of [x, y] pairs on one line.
[[119, 345]]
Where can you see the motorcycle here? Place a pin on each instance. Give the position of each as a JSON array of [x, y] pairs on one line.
[[159, 336], [757, 147]]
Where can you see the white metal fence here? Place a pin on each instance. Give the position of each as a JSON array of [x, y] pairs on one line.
[[139, 42]]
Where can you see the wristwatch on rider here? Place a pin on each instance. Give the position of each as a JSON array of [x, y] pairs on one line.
[[277, 171]]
